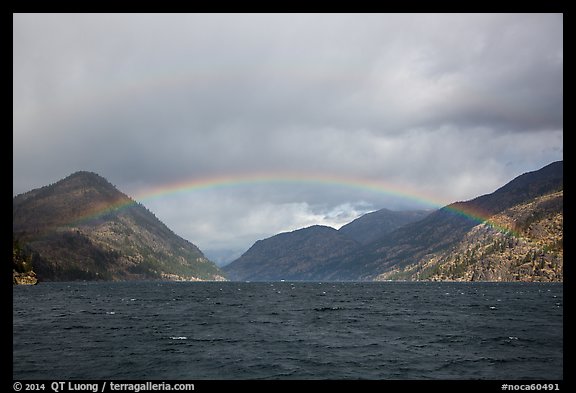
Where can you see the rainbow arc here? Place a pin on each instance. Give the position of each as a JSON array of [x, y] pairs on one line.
[[230, 181]]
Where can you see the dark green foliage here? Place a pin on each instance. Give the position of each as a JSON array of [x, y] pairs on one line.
[[146, 268], [21, 259]]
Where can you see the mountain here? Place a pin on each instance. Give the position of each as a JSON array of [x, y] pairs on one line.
[[522, 243], [363, 230], [514, 233], [450, 228], [306, 254], [82, 227], [373, 226], [297, 255]]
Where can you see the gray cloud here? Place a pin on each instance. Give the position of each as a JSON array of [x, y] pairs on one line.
[[447, 106]]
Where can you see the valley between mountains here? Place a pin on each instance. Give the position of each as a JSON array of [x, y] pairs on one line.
[[84, 228]]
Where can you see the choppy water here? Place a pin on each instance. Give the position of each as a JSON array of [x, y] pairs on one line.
[[153, 330]]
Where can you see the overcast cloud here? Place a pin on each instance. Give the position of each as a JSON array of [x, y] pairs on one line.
[[447, 106]]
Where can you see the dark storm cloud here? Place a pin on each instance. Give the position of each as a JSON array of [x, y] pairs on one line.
[[448, 105]]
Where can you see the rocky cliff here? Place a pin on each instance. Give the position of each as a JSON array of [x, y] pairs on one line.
[[522, 243]]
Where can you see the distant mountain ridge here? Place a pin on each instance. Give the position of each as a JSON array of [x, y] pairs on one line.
[[442, 245], [305, 254], [374, 225], [296, 255], [82, 227]]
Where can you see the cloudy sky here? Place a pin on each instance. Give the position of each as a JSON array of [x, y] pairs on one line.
[[431, 107]]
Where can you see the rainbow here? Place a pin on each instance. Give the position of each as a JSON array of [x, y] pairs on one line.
[[230, 181]]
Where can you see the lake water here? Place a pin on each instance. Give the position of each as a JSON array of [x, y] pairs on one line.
[[283, 330]]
